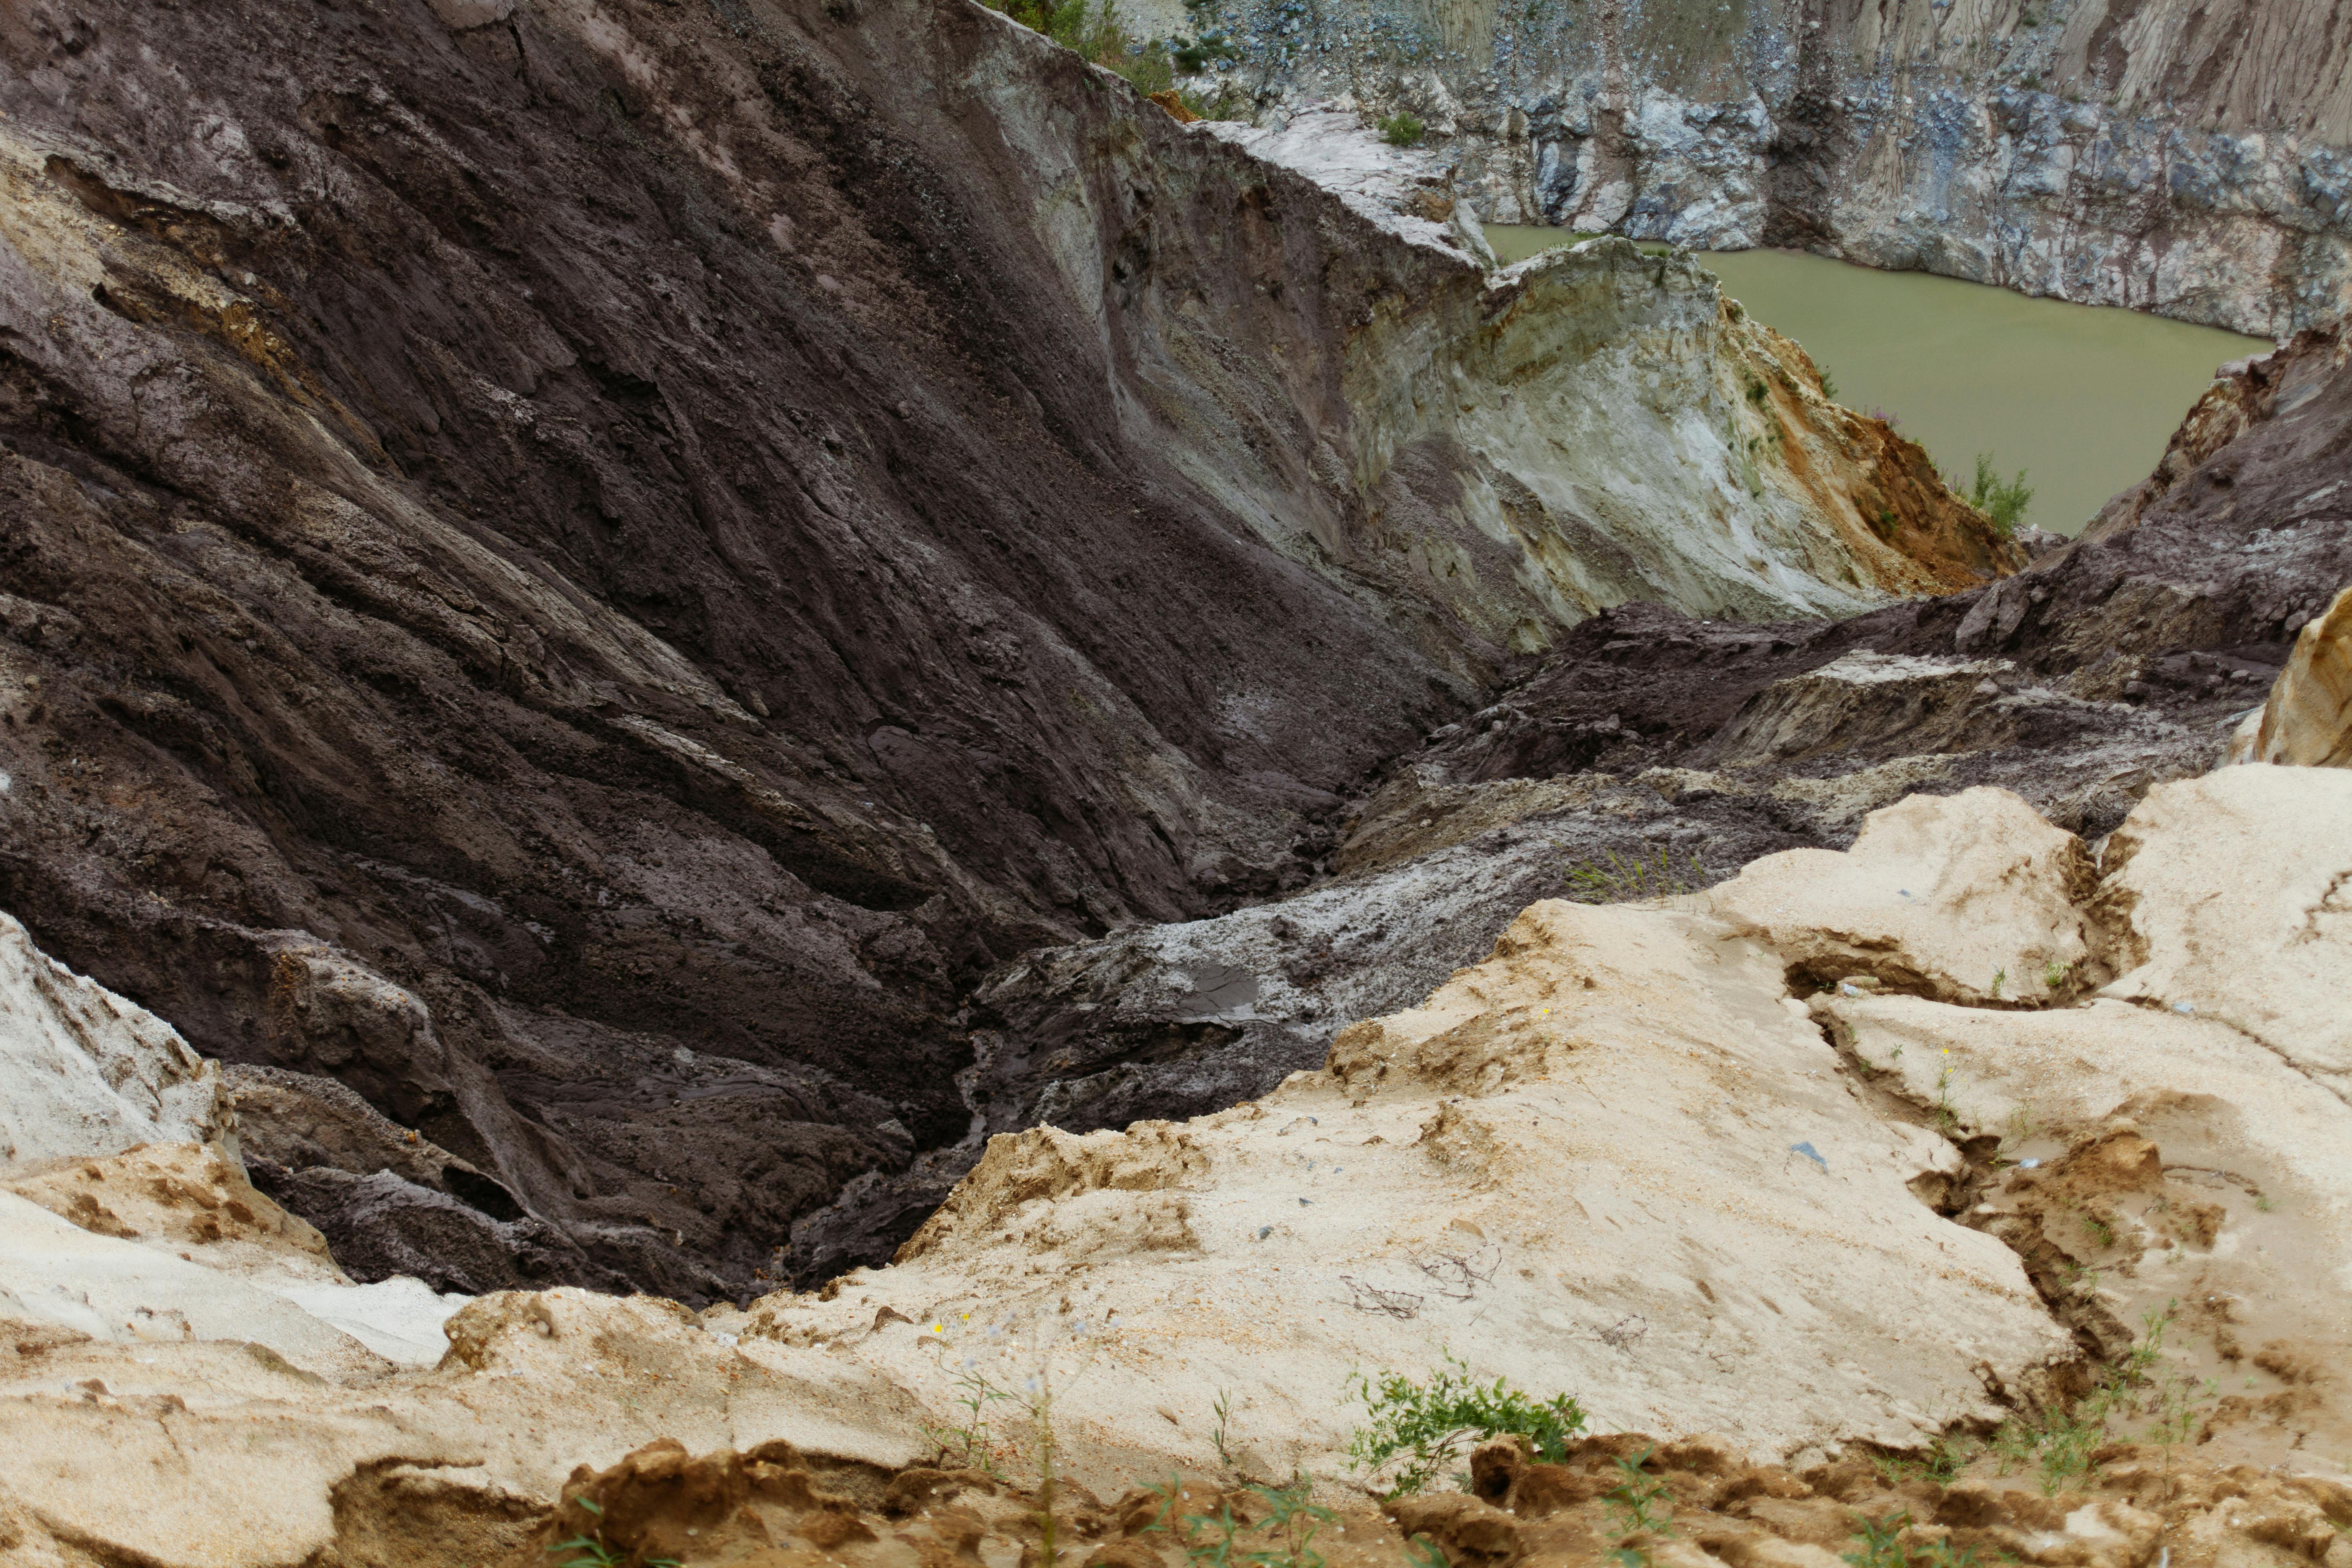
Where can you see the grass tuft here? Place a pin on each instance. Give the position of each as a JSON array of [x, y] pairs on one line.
[[1616, 878]]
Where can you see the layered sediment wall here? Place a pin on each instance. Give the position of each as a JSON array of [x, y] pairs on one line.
[[2181, 158]]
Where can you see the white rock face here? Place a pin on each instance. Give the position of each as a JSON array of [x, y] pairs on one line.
[[53, 1271], [84, 1071], [2235, 898], [124, 1214], [2227, 1172], [1968, 897]]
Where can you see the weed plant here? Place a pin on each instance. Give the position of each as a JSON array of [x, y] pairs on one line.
[[2060, 1444], [967, 1443], [1942, 1463], [1417, 1431], [1641, 1501], [590, 1551], [1616, 878], [1283, 1538], [1402, 129], [1038, 1352], [1882, 1547]]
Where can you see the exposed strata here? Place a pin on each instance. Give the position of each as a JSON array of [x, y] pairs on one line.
[[2170, 156], [1619, 1157], [553, 583]]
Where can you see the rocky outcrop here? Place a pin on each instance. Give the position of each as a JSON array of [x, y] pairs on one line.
[[2307, 719], [2169, 155], [2265, 950], [555, 583], [122, 1166], [1969, 898], [91, 1073]]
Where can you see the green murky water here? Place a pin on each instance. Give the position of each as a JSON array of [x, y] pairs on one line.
[[2083, 398]]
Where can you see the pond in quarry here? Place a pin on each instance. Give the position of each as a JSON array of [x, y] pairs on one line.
[[2083, 398]]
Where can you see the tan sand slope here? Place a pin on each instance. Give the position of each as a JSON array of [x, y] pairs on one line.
[[1619, 1158]]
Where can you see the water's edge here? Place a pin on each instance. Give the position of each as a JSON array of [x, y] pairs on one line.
[[2081, 397]]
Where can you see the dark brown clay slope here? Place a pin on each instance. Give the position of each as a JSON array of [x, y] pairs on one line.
[[586, 632]]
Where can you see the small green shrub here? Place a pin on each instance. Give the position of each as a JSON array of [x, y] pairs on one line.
[[1402, 129], [2005, 504], [968, 1444], [1422, 1428], [1882, 1547], [1886, 523], [1829, 386], [1285, 1537]]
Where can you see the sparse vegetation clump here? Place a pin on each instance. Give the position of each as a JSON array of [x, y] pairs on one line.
[[591, 1550], [1402, 129], [1882, 1546], [1615, 878], [1941, 1464], [2061, 1443], [1641, 1501], [1284, 1537], [1093, 30], [2003, 501], [1417, 1431]]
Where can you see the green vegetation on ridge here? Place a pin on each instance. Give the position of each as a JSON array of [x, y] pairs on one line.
[[1093, 30]]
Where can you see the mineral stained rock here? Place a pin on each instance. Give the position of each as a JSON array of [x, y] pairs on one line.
[[1619, 1158], [583, 570]]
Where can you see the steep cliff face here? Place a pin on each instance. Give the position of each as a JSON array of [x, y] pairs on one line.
[[579, 568], [2173, 155]]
